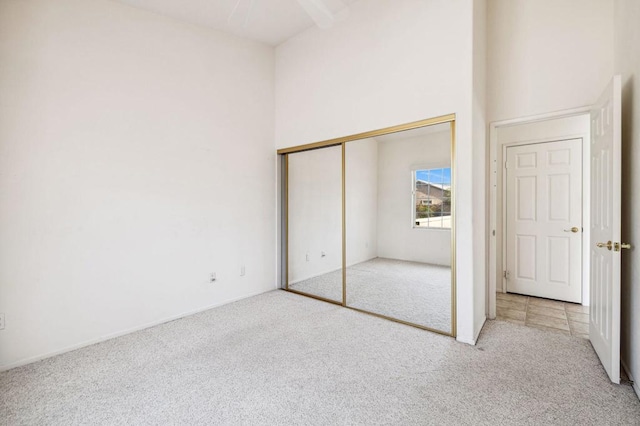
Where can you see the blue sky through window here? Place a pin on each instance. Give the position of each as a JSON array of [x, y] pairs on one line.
[[435, 175]]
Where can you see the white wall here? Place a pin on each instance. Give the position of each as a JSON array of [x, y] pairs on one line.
[[389, 63], [136, 155], [547, 55], [627, 63], [480, 152], [397, 237], [361, 185], [314, 213]]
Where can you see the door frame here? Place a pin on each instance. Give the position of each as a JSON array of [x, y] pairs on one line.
[[496, 226], [584, 249]]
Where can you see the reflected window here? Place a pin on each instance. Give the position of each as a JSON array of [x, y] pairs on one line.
[[432, 198]]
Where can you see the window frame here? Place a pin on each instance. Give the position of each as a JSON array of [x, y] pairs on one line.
[[414, 179]]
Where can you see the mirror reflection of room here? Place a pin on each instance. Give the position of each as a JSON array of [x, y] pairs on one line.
[[398, 226], [314, 187]]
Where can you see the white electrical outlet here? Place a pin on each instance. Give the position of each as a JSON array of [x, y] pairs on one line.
[[212, 277], [1, 321], [242, 271]]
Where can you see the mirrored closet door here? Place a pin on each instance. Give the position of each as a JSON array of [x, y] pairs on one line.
[[369, 222], [398, 226], [314, 240]]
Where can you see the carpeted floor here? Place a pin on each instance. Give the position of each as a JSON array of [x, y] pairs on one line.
[[285, 359], [419, 293]]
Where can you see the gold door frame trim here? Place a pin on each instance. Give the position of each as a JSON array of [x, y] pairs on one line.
[[313, 296], [344, 225], [342, 141], [422, 327], [454, 181], [373, 133], [286, 222]]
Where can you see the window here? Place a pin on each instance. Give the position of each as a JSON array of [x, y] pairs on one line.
[[432, 198]]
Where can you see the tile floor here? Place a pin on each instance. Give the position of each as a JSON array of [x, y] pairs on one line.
[[552, 315]]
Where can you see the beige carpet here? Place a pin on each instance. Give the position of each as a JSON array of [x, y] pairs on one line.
[[284, 359], [415, 292]]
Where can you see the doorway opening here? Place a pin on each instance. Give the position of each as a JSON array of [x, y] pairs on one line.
[[542, 233], [599, 128], [539, 267], [537, 147], [545, 314]]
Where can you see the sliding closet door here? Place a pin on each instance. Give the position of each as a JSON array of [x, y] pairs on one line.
[[399, 226], [314, 223], [369, 222]]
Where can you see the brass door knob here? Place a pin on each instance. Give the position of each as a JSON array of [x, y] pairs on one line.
[[608, 245], [618, 246]]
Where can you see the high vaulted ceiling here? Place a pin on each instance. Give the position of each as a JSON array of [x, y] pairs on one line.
[[267, 21]]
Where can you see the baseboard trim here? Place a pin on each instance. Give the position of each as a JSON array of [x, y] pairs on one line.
[[466, 340], [477, 333], [472, 341], [110, 336], [636, 385]]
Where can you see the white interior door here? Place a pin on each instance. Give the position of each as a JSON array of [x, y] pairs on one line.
[[604, 312], [544, 220]]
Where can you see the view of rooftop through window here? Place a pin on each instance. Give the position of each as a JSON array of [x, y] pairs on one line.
[[432, 198]]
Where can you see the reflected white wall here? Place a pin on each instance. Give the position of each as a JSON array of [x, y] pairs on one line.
[[397, 238], [314, 213], [361, 168]]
